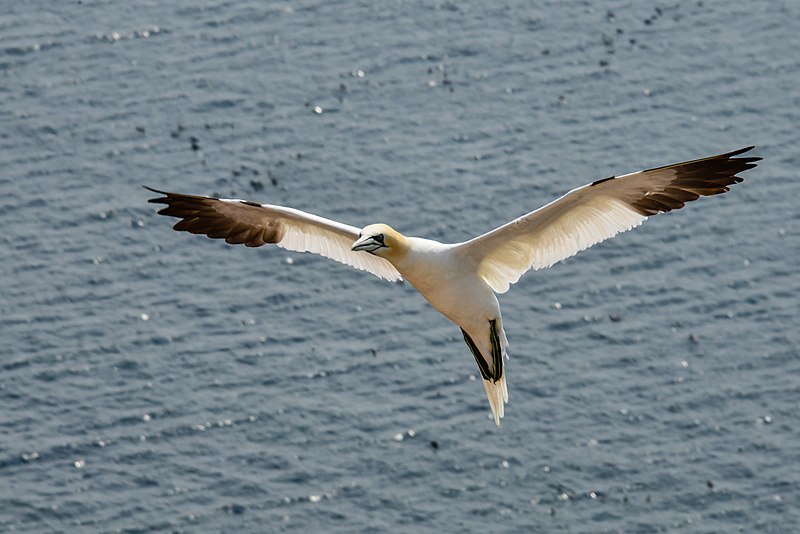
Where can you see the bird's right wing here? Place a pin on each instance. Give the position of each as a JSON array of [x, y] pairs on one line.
[[254, 225]]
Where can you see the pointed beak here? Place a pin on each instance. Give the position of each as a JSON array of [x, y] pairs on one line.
[[366, 243]]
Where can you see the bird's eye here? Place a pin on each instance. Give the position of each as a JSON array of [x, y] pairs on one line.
[[379, 238]]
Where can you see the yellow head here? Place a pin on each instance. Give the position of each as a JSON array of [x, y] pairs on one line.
[[380, 240]]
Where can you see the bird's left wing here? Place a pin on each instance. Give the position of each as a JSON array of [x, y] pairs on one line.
[[595, 212], [254, 225]]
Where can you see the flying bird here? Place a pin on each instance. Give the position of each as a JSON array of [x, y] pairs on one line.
[[460, 280]]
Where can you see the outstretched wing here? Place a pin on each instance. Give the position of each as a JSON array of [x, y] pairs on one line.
[[254, 225], [596, 212]]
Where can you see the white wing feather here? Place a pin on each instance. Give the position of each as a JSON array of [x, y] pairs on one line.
[[331, 239], [553, 233], [242, 222], [596, 212]]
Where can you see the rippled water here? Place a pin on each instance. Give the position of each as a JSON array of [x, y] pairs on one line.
[[152, 380]]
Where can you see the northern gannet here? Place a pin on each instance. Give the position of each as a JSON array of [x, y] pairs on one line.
[[461, 279]]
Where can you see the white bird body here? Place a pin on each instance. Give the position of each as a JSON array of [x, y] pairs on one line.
[[460, 280], [451, 285], [450, 282]]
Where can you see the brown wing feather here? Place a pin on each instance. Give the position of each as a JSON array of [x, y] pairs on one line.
[[689, 181], [206, 216], [254, 225], [595, 212]]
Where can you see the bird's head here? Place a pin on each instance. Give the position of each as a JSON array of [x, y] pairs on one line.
[[380, 240]]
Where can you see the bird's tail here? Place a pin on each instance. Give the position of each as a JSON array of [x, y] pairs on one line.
[[498, 396], [494, 377]]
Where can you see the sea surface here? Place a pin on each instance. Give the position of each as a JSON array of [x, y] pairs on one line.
[[159, 381]]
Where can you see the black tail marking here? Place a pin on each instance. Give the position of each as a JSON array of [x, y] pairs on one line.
[[497, 351], [497, 354], [482, 365]]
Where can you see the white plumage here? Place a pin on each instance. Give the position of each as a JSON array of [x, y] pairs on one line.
[[460, 280]]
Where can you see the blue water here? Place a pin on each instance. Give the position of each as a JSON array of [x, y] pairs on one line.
[[151, 380]]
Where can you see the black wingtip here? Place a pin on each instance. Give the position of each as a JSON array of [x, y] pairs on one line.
[[159, 200], [740, 151], [748, 161]]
